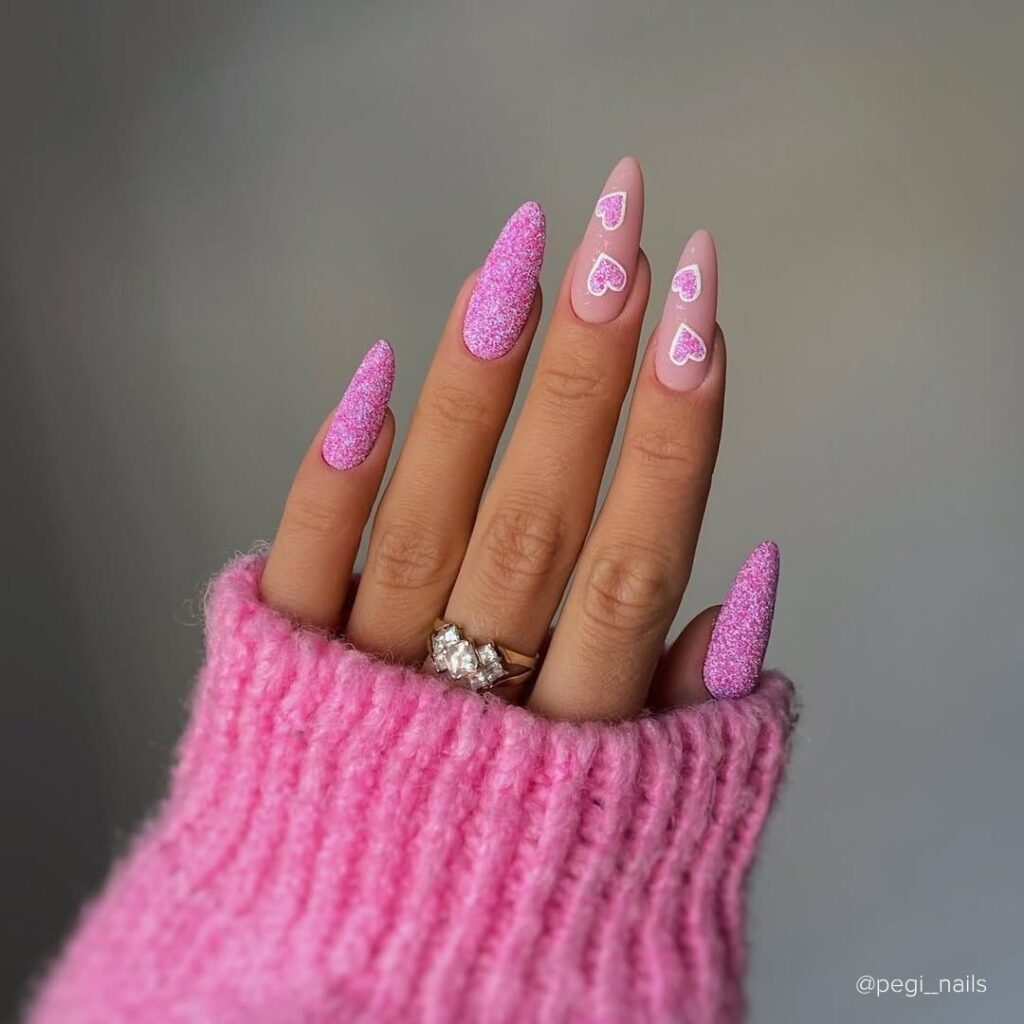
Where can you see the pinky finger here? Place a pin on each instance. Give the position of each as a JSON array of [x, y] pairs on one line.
[[310, 565], [679, 677], [721, 651]]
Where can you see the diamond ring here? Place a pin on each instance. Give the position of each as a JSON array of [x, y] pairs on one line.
[[478, 666]]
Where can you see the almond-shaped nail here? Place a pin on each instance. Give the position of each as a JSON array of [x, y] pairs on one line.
[[504, 290], [687, 328], [606, 261], [360, 413], [740, 635]]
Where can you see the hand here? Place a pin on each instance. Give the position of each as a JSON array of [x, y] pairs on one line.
[[499, 567]]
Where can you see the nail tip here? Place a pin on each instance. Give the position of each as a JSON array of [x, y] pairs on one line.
[[627, 164], [379, 362], [766, 553], [702, 240], [382, 354], [526, 233], [530, 214]]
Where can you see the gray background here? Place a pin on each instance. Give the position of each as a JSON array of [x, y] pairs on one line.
[[209, 212]]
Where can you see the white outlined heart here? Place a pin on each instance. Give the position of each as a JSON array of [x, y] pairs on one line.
[[607, 274], [611, 210], [686, 282], [687, 346]]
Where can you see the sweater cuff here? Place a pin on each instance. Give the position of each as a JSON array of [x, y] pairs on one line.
[[349, 839]]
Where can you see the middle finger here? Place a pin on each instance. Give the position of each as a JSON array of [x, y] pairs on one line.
[[538, 510]]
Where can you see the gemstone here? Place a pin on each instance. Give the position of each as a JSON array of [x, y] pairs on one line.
[[488, 654], [492, 673], [486, 676], [462, 659]]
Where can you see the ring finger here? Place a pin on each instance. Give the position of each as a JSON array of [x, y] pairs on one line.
[[637, 561]]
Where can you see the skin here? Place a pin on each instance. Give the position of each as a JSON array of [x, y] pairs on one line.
[[498, 563]]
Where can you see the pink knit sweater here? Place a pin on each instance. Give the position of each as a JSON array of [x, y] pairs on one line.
[[348, 840]]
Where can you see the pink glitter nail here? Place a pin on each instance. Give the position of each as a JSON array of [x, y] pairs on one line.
[[360, 413], [504, 291], [740, 637]]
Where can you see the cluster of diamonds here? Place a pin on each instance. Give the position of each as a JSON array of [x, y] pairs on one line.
[[451, 652]]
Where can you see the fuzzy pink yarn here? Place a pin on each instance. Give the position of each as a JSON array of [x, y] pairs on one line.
[[348, 840]]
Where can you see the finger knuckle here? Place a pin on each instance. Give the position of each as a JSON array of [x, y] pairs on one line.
[[406, 556], [579, 377], [458, 408], [626, 590], [664, 451], [316, 517], [522, 543]]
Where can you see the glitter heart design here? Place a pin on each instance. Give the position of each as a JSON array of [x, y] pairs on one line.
[[686, 283], [611, 210], [606, 274], [687, 346]]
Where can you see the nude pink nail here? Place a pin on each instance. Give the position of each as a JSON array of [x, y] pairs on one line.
[[687, 329], [740, 636], [360, 413], [504, 290], [606, 261]]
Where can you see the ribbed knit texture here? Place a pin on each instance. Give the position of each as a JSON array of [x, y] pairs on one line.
[[348, 840]]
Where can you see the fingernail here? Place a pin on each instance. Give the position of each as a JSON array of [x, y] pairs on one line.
[[606, 261], [360, 413], [687, 328], [740, 636], [504, 290]]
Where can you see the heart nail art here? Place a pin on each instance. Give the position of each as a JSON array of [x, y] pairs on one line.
[[687, 346], [688, 316], [686, 282], [611, 210], [606, 274]]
